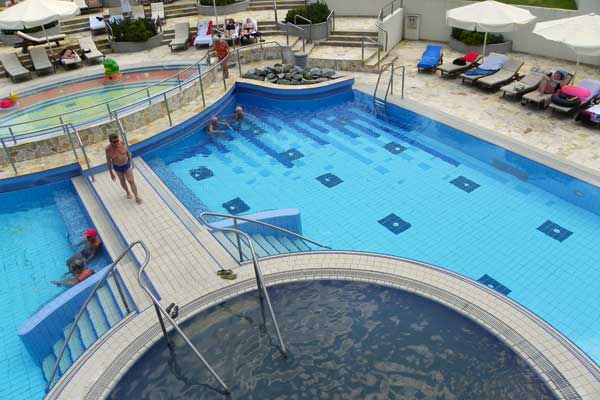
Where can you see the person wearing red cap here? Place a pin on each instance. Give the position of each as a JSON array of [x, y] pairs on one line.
[[92, 246]]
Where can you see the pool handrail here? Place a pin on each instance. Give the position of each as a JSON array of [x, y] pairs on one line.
[[146, 89], [257, 271], [390, 85]]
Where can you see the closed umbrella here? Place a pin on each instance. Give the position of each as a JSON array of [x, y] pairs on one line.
[[488, 16], [581, 34]]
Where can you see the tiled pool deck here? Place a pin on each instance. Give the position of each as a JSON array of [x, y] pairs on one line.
[[178, 242]]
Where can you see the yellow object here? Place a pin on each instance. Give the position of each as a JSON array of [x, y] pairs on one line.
[[13, 97]]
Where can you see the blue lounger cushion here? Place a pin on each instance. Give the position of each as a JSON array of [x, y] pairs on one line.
[[480, 71], [431, 57]]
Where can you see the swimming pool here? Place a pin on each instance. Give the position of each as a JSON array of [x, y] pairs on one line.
[[346, 340], [38, 227], [69, 97], [405, 185]]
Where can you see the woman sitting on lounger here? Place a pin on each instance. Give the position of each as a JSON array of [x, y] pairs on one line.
[[68, 56], [552, 82], [230, 26]]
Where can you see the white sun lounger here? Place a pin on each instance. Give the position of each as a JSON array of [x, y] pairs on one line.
[[182, 36], [138, 12], [89, 49], [203, 36], [14, 68], [97, 24], [158, 11], [40, 60], [29, 40], [507, 73]]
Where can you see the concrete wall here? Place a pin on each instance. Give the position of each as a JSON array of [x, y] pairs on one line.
[[434, 28], [588, 5], [359, 8], [394, 25]]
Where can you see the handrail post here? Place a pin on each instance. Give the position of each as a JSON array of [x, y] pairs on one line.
[[68, 133], [275, 9], [392, 80], [120, 289], [402, 91], [239, 61], [179, 82], [162, 326], [149, 98], [108, 108], [362, 45], [237, 239], [224, 79], [12, 134], [201, 85], [168, 109], [8, 157], [85, 156]]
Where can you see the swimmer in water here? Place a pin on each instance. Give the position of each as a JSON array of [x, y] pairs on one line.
[[214, 124]]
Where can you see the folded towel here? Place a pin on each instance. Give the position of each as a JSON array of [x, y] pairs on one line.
[[480, 71]]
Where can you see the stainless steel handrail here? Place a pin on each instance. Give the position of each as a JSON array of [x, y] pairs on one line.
[[382, 15], [309, 26], [287, 35], [8, 156], [275, 10], [331, 17], [81, 146], [109, 270], [260, 283], [376, 42], [386, 36], [390, 86], [145, 89], [160, 310]]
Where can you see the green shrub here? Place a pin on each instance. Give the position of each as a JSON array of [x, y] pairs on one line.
[[474, 38], [132, 30], [217, 2], [316, 12]]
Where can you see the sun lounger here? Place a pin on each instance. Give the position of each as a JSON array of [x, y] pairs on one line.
[[29, 40], [14, 68], [138, 12], [527, 84], [591, 87], [158, 11], [471, 60], [542, 100], [182, 36], [492, 64], [204, 34], [591, 114], [89, 50], [431, 58], [71, 63], [40, 60], [507, 73], [97, 24]]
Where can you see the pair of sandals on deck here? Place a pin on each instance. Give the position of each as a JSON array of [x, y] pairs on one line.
[[227, 274]]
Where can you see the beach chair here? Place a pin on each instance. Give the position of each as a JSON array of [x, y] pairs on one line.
[[29, 40], [138, 12], [508, 73], [527, 84], [431, 58], [71, 63], [14, 68], [89, 50], [97, 24], [542, 100], [41, 63], [471, 60], [182, 36], [204, 34], [590, 114], [586, 92], [158, 12], [492, 63]]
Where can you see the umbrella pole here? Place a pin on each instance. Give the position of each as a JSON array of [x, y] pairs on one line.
[[216, 16], [48, 41], [484, 43], [576, 69]]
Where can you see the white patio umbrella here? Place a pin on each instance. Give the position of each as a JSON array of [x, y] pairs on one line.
[[32, 13], [581, 34], [125, 7], [488, 16]]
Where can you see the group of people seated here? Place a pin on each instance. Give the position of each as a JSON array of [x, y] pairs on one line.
[[76, 264], [245, 31]]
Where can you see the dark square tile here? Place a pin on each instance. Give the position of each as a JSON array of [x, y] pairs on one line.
[[464, 184], [394, 148], [494, 284], [554, 230], [236, 206], [329, 180], [201, 173], [395, 224], [292, 154]]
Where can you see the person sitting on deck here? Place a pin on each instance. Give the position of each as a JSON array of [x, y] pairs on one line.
[[80, 273]]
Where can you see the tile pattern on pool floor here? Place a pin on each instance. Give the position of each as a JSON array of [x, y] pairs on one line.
[[489, 228]]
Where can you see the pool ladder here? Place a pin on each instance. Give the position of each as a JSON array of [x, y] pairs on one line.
[[381, 103]]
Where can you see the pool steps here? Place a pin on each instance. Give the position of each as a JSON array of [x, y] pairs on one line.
[[264, 245]]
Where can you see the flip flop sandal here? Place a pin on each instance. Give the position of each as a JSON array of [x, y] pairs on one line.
[[229, 277], [175, 312], [224, 272], [170, 307]]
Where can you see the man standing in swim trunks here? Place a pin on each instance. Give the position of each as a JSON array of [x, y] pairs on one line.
[[118, 158]]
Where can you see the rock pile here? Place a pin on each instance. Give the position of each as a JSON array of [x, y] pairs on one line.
[[288, 74]]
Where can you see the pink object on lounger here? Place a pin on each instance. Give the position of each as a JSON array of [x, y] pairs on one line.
[[576, 91], [471, 56]]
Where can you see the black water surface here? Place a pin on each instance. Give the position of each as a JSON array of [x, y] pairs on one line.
[[346, 340]]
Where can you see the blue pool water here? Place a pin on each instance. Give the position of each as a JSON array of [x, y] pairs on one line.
[[346, 340], [405, 185], [37, 230]]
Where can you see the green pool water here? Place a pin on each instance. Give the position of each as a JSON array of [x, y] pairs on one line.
[[77, 108]]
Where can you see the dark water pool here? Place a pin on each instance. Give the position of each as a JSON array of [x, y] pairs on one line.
[[346, 340]]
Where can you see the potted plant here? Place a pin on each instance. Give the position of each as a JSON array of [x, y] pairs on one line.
[[129, 35], [224, 7], [317, 13]]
